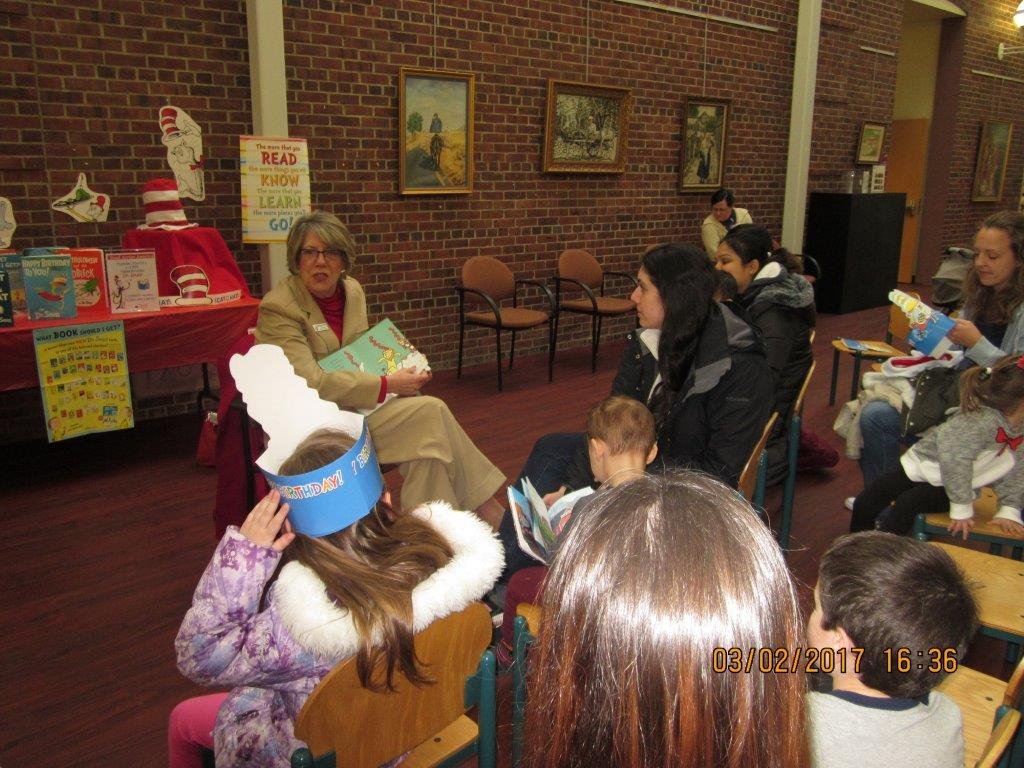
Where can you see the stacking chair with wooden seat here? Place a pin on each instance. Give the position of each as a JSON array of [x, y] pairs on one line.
[[792, 449], [985, 506], [983, 700], [352, 727], [579, 270], [875, 350], [524, 634], [1002, 748], [753, 478], [486, 281]]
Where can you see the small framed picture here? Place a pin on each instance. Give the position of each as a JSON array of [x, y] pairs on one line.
[[586, 128], [872, 138], [705, 134], [435, 132], [990, 167]]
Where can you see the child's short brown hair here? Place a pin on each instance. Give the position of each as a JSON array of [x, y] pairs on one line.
[[625, 425]]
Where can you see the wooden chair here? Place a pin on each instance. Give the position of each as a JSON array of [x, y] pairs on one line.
[[983, 700], [364, 729], [985, 506], [486, 281], [578, 268], [881, 350], [792, 448], [997, 752], [752, 481], [524, 634]]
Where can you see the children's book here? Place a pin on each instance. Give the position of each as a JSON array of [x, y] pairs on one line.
[[90, 281], [6, 308], [537, 526], [866, 346], [131, 281], [10, 262], [381, 350], [49, 285], [928, 327]]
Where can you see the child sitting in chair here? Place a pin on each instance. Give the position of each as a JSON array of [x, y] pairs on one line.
[[892, 616], [357, 580]]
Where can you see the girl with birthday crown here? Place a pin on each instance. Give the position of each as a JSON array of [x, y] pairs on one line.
[[356, 580], [979, 445]]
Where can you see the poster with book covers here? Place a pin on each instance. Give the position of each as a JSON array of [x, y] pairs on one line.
[[90, 282], [131, 281], [83, 379], [49, 286]]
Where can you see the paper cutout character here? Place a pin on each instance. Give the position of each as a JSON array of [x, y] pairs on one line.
[[193, 285], [184, 141], [82, 204], [7, 222]]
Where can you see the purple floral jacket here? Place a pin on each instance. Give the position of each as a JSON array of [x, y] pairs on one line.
[[274, 658]]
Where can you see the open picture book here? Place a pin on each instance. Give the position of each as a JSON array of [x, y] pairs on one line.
[[537, 526]]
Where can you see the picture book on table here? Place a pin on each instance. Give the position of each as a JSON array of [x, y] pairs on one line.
[[537, 525], [10, 262], [131, 280], [49, 285], [90, 281], [6, 307]]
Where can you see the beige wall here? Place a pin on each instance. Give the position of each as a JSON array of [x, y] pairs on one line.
[[916, 65]]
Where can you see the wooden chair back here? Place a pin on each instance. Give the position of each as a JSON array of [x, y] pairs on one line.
[[899, 325], [371, 728], [1015, 686], [579, 264], [1000, 740], [801, 396], [487, 274], [748, 477]]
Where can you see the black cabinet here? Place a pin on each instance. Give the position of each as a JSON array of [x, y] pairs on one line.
[[856, 240]]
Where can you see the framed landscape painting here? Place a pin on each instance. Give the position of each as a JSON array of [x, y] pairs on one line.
[[586, 128], [435, 129], [990, 167], [705, 135], [872, 138]]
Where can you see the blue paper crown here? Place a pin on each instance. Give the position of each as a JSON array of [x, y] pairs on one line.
[[331, 498]]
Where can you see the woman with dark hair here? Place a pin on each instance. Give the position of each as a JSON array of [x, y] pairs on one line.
[[780, 304], [991, 326], [642, 648], [722, 218]]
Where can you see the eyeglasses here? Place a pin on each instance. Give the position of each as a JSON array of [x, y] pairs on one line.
[[332, 255]]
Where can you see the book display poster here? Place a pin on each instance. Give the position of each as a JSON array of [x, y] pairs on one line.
[[275, 186], [131, 281], [90, 281], [83, 379], [49, 286]]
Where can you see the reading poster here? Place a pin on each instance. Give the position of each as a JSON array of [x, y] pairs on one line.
[[83, 378], [275, 186]]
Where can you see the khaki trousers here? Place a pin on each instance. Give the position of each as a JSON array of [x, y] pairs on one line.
[[435, 456]]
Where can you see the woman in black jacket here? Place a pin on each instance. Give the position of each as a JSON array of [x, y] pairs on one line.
[[780, 304]]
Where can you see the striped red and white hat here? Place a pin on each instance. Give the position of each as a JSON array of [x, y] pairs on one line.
[[163, 206]]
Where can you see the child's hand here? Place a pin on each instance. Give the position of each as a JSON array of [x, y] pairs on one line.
[[266, 520], [1011, 527], [551, 498], [961, 526]]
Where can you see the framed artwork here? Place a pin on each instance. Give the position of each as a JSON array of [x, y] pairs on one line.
[[586, 128], [990, 167], [435, 132], [705, 135], [869, 148]]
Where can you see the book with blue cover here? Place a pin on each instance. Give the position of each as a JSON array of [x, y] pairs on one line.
[[537, 525], [49, 286]]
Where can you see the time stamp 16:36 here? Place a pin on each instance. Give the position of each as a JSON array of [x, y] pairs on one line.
[[830, 660]]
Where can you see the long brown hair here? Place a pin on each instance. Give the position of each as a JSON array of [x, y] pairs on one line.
[[654, 583], [370, 569], [1000, 387], [986, 302]]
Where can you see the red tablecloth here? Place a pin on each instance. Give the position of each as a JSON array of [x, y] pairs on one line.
[[171, 337]]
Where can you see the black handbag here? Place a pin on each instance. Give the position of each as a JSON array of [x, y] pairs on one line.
[[936, 393]]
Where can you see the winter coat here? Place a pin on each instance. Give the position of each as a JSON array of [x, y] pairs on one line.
[[276, 656]]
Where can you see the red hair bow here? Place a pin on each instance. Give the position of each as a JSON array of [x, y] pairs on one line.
[[1020, 361], [1006, 440]]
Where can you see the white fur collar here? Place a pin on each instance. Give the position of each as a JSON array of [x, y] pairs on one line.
[[327, 631]]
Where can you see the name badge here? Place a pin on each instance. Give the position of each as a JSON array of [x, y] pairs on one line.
[[318, 327]]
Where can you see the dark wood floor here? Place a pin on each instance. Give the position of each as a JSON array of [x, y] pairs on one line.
[[104, 538]]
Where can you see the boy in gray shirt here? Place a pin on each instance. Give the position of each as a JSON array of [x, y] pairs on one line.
[[891, 618]]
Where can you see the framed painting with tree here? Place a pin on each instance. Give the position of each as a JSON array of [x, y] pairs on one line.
[[435, 119]]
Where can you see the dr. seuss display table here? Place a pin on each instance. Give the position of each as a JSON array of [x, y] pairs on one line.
[[172, 337]]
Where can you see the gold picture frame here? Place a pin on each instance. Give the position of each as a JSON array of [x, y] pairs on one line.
[[872, 139], [586, 127], [990, 165], [705, 139], [435, 131]]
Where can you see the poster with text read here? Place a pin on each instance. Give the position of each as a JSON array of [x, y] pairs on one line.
[[275, 186], [83, 378]]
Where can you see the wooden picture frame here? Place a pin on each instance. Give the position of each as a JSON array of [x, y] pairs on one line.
[[990, 165], [435, 131], [586, 127], [705, 138], [872, 139]]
